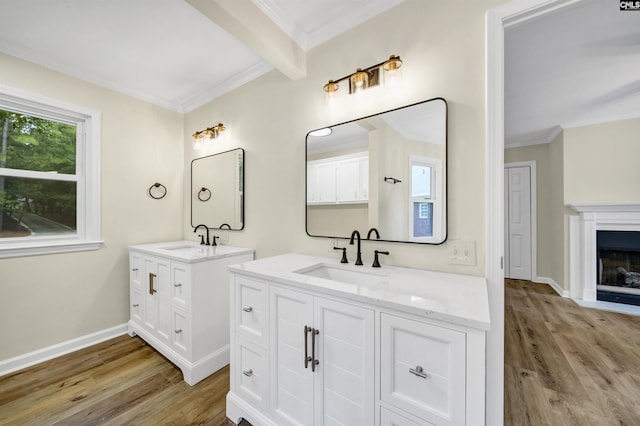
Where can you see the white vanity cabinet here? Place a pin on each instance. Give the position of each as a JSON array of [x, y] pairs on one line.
[[178, 303], [321, 371], [313, 351]]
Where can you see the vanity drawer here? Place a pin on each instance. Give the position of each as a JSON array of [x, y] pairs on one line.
[[252, 317], [391, 418], [181, 332], [137, 305], [180, 285], [135, 270], [422, 369], [251, 373]]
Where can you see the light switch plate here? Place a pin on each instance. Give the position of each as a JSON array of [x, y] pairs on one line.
[[462, 252]]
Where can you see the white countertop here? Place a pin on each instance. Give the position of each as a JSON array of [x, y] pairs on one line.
[[455, 298], [189, 251]]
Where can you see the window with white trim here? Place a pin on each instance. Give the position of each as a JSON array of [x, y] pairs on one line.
[[425, 199], [49, 176]]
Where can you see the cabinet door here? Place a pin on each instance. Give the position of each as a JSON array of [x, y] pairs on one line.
[[157, 299], [290, 381], [364, 179], [326, 181], [345, 376], [312, 183], [135, 288], [348, 180], [423, 369]]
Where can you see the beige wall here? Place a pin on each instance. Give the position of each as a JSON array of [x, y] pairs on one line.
[[601, 162], [442, 45], [50, 299]]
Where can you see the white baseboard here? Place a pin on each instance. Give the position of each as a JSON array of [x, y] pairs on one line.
[[22, 361], [554, 285]]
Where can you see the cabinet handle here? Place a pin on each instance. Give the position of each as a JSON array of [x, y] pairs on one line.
[[151, 289], [177, 285], [314, 361], [248, 373], [178, 331], [136, 305], [249, 309], [307, 358], [134, 269], [418, 371]]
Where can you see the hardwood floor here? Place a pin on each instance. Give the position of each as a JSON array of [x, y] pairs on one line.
[[568, 365], [122, 381]]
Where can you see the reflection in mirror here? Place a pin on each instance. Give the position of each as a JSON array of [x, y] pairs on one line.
[[387, 171], [217, 190]]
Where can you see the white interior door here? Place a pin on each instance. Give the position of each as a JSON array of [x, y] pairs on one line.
[[518, 223]]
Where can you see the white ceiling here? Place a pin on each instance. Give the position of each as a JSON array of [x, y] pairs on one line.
[[167, 52], [577, 65]]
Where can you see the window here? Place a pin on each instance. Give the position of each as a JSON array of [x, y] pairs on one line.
[[49, 176], [424, 199]]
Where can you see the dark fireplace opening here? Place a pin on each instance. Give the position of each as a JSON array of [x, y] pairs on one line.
[[618, 266]]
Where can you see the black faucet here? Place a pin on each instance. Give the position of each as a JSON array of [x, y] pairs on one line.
[[376, 262], [373, 230], [359, 257], [205, 227], [344, 254], [214, 238], [225, 224]]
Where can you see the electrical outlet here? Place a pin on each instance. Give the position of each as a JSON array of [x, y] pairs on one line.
[[462, 253]]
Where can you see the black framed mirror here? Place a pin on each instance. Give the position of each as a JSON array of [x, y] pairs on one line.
[[386, 171], [217, 190]]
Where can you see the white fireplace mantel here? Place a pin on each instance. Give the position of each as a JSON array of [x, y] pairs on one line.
[[583, 256]]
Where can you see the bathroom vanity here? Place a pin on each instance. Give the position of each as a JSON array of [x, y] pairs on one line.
[[314, 341], [179, 295]]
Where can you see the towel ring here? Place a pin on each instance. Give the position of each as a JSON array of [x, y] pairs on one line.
[[157, 196], [204, 194]]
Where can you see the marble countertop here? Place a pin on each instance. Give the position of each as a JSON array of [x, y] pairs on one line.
[[455, 298], [189, 251]]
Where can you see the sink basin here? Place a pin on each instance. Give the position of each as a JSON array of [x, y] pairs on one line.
[[345, 274]]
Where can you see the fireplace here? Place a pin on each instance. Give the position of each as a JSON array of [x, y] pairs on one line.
[[618, 277], [604, 252]]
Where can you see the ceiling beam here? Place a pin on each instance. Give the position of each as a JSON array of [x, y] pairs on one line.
[[247, 23]]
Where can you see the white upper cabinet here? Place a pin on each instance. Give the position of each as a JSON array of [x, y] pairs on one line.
[[342, 179]]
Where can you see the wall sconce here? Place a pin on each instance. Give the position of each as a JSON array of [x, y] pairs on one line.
[[368, 77], [210, 133]]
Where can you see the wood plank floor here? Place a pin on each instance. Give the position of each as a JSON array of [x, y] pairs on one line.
[[123, 381], [568, 365]]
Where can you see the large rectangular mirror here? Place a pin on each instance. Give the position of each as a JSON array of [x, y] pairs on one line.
[[217, 190], [387, 171]]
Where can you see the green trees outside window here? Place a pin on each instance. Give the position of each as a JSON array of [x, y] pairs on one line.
[[37, 176]]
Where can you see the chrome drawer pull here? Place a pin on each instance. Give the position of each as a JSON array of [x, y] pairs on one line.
[[134, 269], [177, 285], [249, 309], [418, 371], [178, 331], [248, 373], [135, 305]]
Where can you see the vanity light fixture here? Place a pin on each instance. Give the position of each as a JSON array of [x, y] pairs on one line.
[[207, 134], [368, 77]]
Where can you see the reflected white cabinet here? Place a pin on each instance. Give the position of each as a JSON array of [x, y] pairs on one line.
[[343, 179], [179, 308]]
